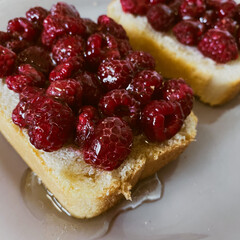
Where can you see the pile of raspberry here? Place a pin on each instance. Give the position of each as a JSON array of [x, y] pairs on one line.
[[210, 25], [80, 83]]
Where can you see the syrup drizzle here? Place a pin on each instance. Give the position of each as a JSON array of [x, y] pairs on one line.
[[57, 221]]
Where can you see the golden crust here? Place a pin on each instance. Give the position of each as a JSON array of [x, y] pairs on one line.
[[170, 65]]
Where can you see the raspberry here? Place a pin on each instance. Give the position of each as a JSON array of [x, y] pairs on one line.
[[108, 25], [17, 45], [18, 82], [176, 90], [137, 7], [101, 47], [87, 120], [91, 26], [175, 5], [209, 18], [28, 70], [218, 45], [62, 8], [67, 69], [4, 38], [119, 102], [110, 144], [141, 61], [30, 92], [55, 27], [161, 17], [91, 88], [192, 8], [20, 111], [115, 74], [145, 85], [51, 125], [124, 47], [67, 47], [227, 24], [68, 91], [38, 57], [161, 120], [7, 61], [188, 32], [18, 114], [226, 8], [36, 16], [21, 28]]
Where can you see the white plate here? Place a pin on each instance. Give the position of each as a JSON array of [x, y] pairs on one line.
[[201, 189]]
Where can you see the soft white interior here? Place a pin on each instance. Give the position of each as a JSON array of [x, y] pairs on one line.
[[221, 74]]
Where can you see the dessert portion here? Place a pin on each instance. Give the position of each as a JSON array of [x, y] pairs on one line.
[[87, 113], [200, 38]]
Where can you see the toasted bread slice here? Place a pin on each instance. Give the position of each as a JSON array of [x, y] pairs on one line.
[[214, 83], [82, 189]]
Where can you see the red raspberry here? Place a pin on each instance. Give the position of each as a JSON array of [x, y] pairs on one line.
[[28, 70], [137, 7], [209, 18], [141, 61], [188, 32], [55, 27], [115, 74], [51, 125], [87, 120], [108, 25], [30, 92], [101, 47], [119, 102], [21, 28], [153, 2], [225, 8], [192, 8], [4, 38], [161, 17], [67, 47], [110, 144], [161, 120], [38, 57], [36, 16], [91, 88], [218, 45], [20, 111], [68, 91], [67, 69], [62, 8], [7, 61], [145, 85], [17, 45], [176, 90], [91, 26], [227, 24], [124, 47], [18, 82]]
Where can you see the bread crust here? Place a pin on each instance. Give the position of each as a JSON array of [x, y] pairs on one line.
[[204, 83]]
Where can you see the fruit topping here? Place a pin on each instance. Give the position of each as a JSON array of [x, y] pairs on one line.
[[68, 91], [145, 85], [7, 61], [218, 45], [110, 144], [115, 74], [161, 17], [86, 123], [161, 120], [120, 103], [192, 8]]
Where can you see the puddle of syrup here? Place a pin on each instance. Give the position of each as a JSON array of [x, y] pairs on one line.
[[57, 221]]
